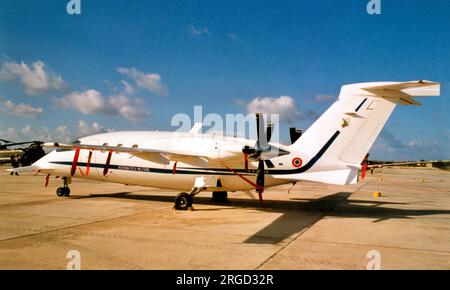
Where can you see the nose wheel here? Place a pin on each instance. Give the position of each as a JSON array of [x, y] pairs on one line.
[[183, 201], [63, 191]]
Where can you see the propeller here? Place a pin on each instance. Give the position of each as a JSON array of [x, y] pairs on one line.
[[256, 152], [262, 141]]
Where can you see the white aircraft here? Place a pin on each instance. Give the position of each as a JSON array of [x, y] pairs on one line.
[[330, 151]]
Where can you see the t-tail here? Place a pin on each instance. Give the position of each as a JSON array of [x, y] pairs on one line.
[[340, 139]]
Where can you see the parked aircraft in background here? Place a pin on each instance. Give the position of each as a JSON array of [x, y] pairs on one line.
[[28, 155]]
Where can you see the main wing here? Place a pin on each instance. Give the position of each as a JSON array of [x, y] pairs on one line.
[[229, 155], [154, 155]]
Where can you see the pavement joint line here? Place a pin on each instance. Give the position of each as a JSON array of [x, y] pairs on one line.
[[49, 199], [82, 224], [324, 214], [377, 246], [25, 202], [50, 216]]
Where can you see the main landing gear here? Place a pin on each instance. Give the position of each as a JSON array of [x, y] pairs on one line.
[[65, 190], [220, 197], [184, 200]]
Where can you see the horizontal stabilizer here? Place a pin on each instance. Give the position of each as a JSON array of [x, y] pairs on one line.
[[343, 176], [402, 93]]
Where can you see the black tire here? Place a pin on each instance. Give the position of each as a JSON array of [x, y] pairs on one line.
[[220, 196], [66, 191], [60, 192], [183, 201]]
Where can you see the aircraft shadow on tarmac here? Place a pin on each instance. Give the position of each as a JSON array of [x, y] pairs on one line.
[[297, 214]]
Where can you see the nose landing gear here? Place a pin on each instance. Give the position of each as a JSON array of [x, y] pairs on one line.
[[65, 190], [184, 200]]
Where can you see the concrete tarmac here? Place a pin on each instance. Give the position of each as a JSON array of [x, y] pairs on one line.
[[315, 226]]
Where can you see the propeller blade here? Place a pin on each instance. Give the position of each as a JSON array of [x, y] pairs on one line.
[[269, 131], [246, 162], [263, 136], [260, 174], [261, 201], [258, 127], [260, 180]]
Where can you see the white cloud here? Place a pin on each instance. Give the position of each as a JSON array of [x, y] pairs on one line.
[[35, 78], [233, 36], [9, 134], [63, 134], [86, 129], [128, 88], [92, 102], [285, 106], [131, 109], [149, 81], [21, 110], [88, 102], [198, 31], [83, 129], [323, 98], [390, 147], [27, 130], [29, 133]]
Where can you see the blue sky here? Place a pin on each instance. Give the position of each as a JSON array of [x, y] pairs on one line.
[[132, 65]]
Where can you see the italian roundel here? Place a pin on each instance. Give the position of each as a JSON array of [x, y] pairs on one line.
[[297, 162]]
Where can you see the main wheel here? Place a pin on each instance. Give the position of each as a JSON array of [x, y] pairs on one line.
[[220, 196], [60, 192], [183, 201]]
